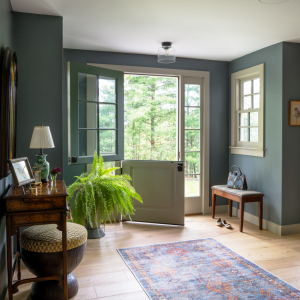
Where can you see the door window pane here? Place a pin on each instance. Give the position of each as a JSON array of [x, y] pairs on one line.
[[244, 119], [247, 87], [192, 163], [247, 102], [254, 119], [192, 140], [107, 116], [254, 134], [87, 87], [192, 95], [256, 101], [192, 185], [244, 134], [107, 90], [87, 114], [87, 142], [256, 85], [107, 141], [192, 118]]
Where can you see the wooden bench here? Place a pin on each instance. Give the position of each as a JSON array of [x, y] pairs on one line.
[[240, 196]]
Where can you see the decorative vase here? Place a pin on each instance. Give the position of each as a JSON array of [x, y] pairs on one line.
[[43, 166], [53, 177]]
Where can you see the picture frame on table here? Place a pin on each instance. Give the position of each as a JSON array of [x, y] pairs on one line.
[[21, 171]]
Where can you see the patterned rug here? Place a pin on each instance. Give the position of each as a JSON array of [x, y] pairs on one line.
[[202, 269]]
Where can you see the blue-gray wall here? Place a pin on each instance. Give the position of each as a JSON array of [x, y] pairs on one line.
[[38, 43], [291, 136], [219, 106], [264, 174], [5, 41]]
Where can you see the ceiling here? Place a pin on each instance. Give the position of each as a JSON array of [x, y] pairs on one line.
[[207, 29]]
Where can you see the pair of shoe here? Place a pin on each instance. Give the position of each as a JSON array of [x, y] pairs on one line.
[[221, 223]]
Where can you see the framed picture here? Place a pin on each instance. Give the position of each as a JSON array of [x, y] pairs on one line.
[[8, 103], [294, 113], [21, 171], [37, 177]]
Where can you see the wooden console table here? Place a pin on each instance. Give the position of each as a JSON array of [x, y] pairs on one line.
[[48, 206], [240, 196]]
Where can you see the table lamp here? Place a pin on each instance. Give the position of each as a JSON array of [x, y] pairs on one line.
[[42, 139]]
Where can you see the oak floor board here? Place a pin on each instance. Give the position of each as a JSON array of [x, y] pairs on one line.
[[104, 275]]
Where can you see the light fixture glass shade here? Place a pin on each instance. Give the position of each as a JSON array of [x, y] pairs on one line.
[[41, 138], [166, 53]]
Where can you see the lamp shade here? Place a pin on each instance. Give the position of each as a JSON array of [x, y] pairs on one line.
[[41, 138]]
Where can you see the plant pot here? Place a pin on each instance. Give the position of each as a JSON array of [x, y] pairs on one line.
[[94, 233]]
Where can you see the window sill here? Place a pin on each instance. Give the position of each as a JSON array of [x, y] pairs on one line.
[[248, 151]]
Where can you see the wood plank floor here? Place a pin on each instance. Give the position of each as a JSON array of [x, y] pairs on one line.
[[103, 274]]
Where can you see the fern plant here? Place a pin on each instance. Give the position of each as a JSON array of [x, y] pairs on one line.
[[98, 195]]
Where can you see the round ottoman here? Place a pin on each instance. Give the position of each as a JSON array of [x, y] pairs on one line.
[[41, 252]]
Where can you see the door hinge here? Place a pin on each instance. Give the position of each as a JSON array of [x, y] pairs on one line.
[[178, 155]]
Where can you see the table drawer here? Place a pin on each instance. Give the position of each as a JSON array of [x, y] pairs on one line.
[[36, 218], [33, 204]]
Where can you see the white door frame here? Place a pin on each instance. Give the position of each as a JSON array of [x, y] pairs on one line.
[[205, 77]]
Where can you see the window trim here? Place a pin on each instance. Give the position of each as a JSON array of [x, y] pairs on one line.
[[237, 78]]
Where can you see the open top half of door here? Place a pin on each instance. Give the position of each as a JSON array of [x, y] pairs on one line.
[[161, 186], [95, 113]]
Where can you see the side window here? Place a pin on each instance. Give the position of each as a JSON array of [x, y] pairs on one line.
[[247, 112], [96, 113]]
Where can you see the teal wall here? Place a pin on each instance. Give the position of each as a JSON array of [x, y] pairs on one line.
[[291, 136], [264, 174], [219, 106], [5, 41], [38, 44]]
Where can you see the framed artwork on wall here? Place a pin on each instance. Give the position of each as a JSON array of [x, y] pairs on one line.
[[294, 113], [8, 106]]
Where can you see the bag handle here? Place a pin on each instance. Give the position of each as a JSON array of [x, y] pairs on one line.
[[237, 167]]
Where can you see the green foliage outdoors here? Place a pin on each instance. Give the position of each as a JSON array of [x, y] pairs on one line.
[[96, 196], [150, 117]]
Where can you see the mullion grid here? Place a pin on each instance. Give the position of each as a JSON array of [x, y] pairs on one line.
[[247, 111], [98, 128], [248, 126], [249, 95]]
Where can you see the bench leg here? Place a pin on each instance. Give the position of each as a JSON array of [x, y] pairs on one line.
[[214, 196], [230, 208], [260, 212], [242, 207]]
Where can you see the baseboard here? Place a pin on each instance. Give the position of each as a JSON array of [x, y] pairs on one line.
[[268, 225], [197, 214]]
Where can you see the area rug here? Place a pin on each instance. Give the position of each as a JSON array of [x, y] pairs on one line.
[[202, 269]]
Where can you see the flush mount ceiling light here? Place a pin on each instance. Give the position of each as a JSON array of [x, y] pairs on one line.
[[166, 53], [273, 1]]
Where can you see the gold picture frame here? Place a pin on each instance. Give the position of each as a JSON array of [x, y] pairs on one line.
[[37, 178], [21, 171], [294, 119]]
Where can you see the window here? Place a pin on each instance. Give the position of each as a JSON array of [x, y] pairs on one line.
[[95, 113], [192, 138], [247, 112]]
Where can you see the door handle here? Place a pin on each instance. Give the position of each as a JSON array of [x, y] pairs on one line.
[[180, 167]]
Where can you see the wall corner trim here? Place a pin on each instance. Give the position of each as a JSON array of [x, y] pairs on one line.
[[268, 225]]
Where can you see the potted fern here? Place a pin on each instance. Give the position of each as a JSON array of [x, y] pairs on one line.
[[95, 197]]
